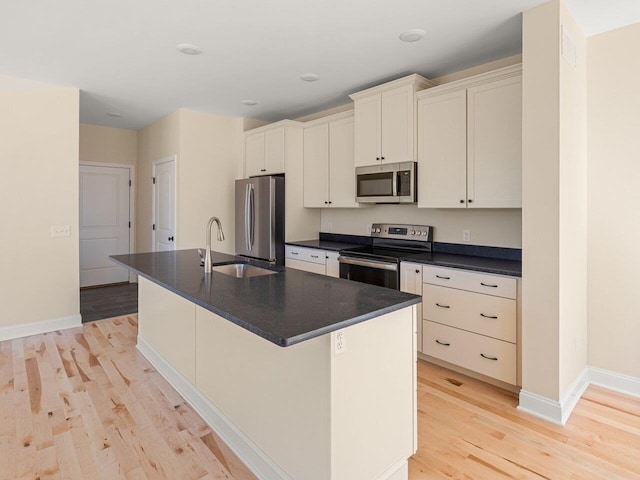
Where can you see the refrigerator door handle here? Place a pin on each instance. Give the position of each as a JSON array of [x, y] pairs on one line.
[[247, 217], [252, 220]]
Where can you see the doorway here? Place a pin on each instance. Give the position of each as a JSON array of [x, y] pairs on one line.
[[164, 204], [105, 222]]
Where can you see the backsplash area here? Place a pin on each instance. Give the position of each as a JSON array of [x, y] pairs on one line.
[[490, 227]]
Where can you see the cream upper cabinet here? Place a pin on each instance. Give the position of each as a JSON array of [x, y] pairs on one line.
[[385, 121], [329, 174], [265, 151], [470, 142]]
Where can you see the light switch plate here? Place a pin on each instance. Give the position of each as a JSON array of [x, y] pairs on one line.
[[60, 230]]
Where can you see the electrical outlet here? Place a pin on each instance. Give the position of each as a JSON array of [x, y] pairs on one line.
[[466, 236], [340, 345], [60, 230]]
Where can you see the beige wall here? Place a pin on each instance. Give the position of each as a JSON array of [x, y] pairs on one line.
[[614, 200], [500, 228], [39, 155], [540, 200], [159, 140], [208, 149], [573, 208], [108, 145], [554, 205]]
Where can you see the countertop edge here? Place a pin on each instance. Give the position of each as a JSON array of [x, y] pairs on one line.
[[279, 341]]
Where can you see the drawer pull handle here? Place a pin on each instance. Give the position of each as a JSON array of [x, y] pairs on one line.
[[488, 358], [443, 278], [488, 316], [294, 253], [314, 256], [445, 344], [443, 306], [488, 285]]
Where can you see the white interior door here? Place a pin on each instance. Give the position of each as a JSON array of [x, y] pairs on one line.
[[104, 223], [164, 203]]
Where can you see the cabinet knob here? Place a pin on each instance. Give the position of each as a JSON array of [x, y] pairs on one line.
[[170, 239], [417, 271], [461, 201], [470, 201], [330, 202], [326, 203], [377, 158], [381, 158], [263, 169]]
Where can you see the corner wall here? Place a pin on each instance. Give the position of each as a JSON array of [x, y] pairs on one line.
[[614, 201], [554, 267], [39, 154]]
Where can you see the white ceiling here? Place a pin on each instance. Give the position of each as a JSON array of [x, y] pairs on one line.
[[122, 53]]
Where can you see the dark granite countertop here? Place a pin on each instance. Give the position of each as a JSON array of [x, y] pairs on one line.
[[496, 260], [286, 308], [324, 245]]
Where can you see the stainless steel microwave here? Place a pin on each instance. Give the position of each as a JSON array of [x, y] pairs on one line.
[[388, 183]]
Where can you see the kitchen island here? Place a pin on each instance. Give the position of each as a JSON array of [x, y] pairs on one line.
[[304, 376]]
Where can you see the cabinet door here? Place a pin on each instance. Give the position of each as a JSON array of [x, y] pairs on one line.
[[442, 151], [397, 131], [367, 131], [342, 172], [333, 266], [411, 282], [254, 154], [274, 151], [495, 144], [316, 166]]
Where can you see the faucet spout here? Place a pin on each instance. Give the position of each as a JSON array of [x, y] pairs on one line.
[[207, 255]]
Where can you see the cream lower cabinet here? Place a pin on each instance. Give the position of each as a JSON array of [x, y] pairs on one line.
[[312, 260], [470, 320], [329, 173], [411, 282], [470, 142]]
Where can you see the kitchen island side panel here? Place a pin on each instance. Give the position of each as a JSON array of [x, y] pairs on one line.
[[167, 321], [279, 397]]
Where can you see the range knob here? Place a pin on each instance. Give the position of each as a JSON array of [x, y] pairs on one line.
[[378, 230], [424, 234], [412, 232]]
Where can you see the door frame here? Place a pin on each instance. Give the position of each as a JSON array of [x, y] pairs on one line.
[[133, 278], [154, 164]]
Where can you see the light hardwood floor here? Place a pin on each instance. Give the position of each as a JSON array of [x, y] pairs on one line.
[[84, 404]]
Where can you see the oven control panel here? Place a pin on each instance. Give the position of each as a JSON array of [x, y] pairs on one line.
[[402, 232]]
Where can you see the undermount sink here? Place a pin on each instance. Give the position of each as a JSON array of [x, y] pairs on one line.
[[242, 270]]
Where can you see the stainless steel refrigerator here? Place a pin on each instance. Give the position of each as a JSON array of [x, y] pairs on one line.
[[260, 218]]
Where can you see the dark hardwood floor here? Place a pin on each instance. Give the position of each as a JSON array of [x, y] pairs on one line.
[[109, 301]]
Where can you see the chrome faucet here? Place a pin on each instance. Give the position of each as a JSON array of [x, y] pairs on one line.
[[207, 255]]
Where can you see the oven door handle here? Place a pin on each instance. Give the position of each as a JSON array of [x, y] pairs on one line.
[[369, 263]]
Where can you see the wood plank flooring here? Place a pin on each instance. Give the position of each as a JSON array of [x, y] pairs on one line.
[[471, 430], [84, 404]]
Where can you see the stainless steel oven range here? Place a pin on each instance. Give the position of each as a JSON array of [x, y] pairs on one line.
[[379, 263]]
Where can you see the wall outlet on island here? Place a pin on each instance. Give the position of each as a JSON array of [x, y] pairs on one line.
[[466, 235], [340, 345]]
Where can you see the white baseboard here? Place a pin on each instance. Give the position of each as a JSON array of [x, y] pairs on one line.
[[247, 451], [559, 412], [614, 381], [36, 328]]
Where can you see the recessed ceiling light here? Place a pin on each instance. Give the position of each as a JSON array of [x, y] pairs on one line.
[[309, 77], [412, 35], [249, 103], [114, 114], [189, 49]]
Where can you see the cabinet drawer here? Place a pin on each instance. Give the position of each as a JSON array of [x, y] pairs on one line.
[[305, 254], [498, 285], [306, 266], [485, 314], [488, 356]]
